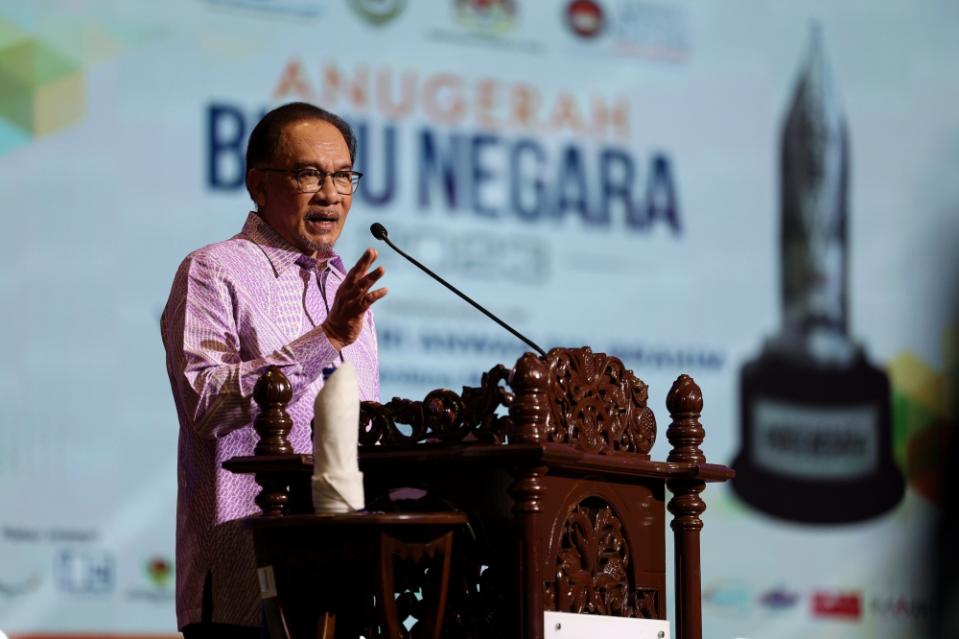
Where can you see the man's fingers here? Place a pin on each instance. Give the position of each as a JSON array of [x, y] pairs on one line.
[[370, 278], [359, 269], [366, 260], [353, 299], [373, 296]]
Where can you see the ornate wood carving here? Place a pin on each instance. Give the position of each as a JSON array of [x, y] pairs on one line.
[[442, 415], [413, 584], [478, 595], [479, 588], [588, 400], [592, 566], [647, 603], [596, 404]]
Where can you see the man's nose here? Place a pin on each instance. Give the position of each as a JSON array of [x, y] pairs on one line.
[[328, 192]]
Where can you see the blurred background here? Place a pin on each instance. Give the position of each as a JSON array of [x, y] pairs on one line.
[[610, 173]]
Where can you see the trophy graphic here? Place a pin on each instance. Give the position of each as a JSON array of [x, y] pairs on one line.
[[816, 441]]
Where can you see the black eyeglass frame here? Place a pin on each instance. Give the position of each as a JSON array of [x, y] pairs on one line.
[[354, 178]]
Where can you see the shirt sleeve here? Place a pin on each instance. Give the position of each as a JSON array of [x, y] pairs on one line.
[[212, 384], [376, 358]]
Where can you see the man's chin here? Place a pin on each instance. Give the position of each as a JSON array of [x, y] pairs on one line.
[[322, 249]]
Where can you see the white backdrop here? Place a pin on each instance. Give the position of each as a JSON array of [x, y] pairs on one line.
[[620, 191]]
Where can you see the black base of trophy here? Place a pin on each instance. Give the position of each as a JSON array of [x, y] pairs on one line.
[[791, 463], [817, 502]]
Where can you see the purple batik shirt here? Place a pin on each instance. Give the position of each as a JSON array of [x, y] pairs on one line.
[[236, 308]]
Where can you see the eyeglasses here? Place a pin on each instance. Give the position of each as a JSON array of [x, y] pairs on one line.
[[311, 180]]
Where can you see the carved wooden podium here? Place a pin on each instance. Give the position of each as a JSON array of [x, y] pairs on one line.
[[565, 509]]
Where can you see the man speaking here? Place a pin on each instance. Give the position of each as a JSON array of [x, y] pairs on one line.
[[275, 294]]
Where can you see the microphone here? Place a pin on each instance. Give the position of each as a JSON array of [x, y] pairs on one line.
[[380, 233]]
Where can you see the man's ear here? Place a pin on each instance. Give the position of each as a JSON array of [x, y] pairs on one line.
[[255, 185]]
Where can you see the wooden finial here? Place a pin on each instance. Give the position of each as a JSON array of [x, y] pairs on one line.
[[272, 393], [685, 433], [529, 409]]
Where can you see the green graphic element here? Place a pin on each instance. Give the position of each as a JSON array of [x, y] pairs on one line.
[[924, 415], [41, 90], [9, 34]]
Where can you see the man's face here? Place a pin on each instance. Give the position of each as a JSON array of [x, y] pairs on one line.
[[311, 222]]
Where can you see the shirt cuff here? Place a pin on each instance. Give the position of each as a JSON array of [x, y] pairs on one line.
[[313, 352]]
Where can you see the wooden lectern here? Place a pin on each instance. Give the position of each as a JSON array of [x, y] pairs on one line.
[[534, 492]]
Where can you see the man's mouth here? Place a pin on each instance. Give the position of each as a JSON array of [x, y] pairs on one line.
[[321, 221]]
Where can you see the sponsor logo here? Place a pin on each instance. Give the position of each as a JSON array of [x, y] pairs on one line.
[[487, 17], [900, 607], [779, 599], [158, 573], [378, 12], [85, 571], [585, 18], [737, 598], [630, 28], [487, 23], [159, 570], [731, 598], [838, 605]]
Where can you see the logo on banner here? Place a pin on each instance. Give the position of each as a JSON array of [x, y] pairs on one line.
[[487, 23], [901, 607], [838, 605], [488, 17], [630, 28], [779, 599], [378, 12], [585, 18], [158, 571], [85, 571], [731, 597]]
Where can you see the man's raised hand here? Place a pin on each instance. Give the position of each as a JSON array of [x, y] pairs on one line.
[[354, 297]]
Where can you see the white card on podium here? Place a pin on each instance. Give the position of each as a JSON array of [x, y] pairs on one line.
[[567, 625]]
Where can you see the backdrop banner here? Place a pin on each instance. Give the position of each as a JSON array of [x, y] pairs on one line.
[[760, 194]]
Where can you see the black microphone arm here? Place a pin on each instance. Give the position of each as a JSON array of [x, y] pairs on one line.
[[379, 232]]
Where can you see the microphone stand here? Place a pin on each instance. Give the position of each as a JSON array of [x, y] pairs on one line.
[[380, 233]]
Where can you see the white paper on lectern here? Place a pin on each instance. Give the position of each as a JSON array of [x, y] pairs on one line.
[[567, 625], [337, 480]]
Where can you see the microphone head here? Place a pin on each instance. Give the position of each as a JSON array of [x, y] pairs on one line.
[[378, 231]]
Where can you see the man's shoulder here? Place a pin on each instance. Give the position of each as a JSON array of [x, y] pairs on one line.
[[227, 255]]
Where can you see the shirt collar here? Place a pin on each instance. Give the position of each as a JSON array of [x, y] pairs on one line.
[[278, 251]]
